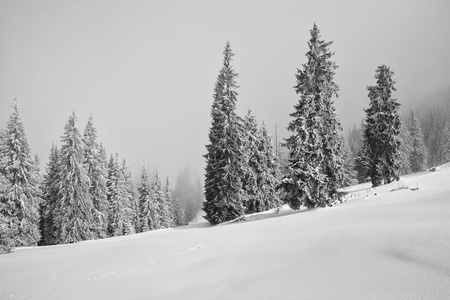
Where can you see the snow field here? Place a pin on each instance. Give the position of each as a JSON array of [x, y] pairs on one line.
[[392, 245]]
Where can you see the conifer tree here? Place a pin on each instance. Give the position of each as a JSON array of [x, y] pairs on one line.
[[178, 212], [446, 148], [225, 160], [168, 201], [103, 158], [130, 201], [145, 207], [362, 163], [354, 139], [348, 166], [315, 166], [253, 164], [72, 214], [405, 149], [50, 197], [417, 155], [268, 176], [158, 198], [19, 202], [95, 166], [382, 128], [6, 232], [117, 199]]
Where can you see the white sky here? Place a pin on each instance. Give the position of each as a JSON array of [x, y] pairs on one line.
[[146, 69]]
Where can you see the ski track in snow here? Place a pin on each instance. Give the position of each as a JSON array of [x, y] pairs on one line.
[[29, 295]]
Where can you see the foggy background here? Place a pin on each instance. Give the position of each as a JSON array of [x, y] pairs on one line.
[[146, 69]]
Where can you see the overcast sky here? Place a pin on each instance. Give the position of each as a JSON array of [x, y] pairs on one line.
[[146, 69]]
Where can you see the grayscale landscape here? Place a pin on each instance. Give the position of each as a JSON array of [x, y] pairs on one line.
[[209, 149]]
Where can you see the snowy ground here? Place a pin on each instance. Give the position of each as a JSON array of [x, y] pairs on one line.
[[381, 244]]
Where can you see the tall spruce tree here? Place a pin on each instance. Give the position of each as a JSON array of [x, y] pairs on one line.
[[6, 232], [225, 161], [362, 163], [268, 175], [21, 195], [130, 201], [168, 200], [162, 209], [73, 209], [405, 149], [50, 190], [349, 177], [446, 148], [178, 212], [382, 129], [145, 206], [253, 164], [418, 154], [96, 172], [315, 166], [117, 199]]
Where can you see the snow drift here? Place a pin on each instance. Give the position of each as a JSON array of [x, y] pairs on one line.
[[385, 243]]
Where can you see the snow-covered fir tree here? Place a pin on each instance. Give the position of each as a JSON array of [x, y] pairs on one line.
[[253, 166], [6, 232], [362, 163], [348, 166], [178, 212], [145, 206], [405, 148], [118, 213], [225, 161], [169, 204], [73, 209], [446, 148], [268, 175], [354, 139], [130, 201], [262, 168], [50, 197], [95, 166], [382, 129], [20, 195], [418, 154], [157, 197], [315, 166]]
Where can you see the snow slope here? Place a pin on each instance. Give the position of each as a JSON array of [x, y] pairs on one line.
[[381, 245]]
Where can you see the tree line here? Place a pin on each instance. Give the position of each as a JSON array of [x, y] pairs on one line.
[[83, 195], [320, 160]]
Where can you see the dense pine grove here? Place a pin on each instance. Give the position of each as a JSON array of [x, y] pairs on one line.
[[85, 195]]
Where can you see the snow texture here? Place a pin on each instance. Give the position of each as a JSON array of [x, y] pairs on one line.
[[390, 242]]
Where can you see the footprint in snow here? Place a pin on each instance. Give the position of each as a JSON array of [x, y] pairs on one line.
[[191, 249]]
